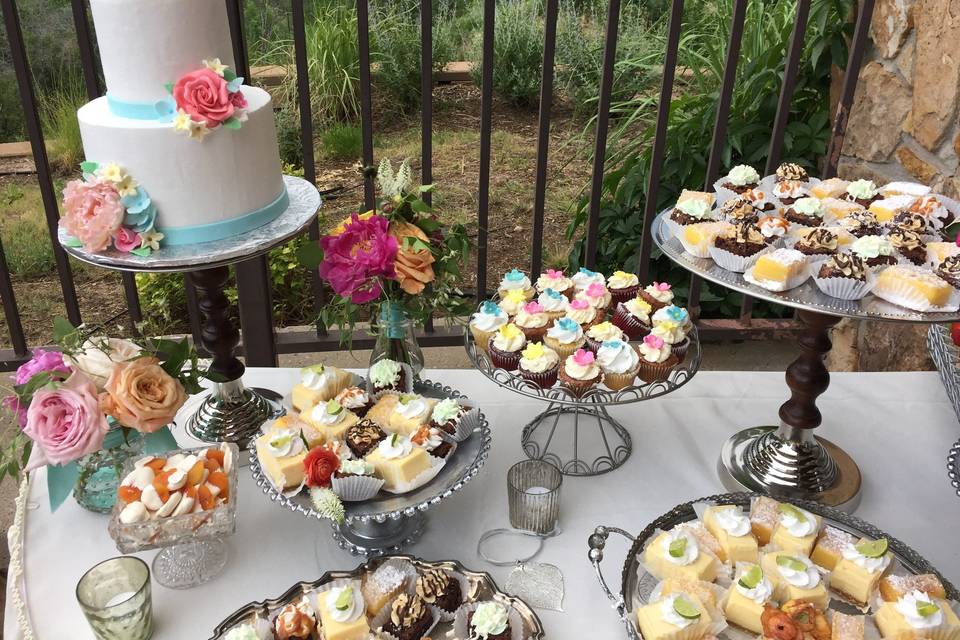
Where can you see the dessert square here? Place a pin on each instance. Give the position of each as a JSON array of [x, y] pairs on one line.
[[732, 529], [858, 572], [764, 515], [342, 612], [380, 587], [913, 288], [844, 627], [887, 208], [796, 531], [411, 412], [892, 588], [704, 591], [662, 621], [677, 554], [745, 611], [917, 615], [318, 383], [330, 419], [830, 188], [830, 545], [363, 437], [398, 462], [836, 208], [779, 269], [281, 453], [687, 195], [794, 578]]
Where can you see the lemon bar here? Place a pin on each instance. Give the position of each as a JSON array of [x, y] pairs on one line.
[[411, 412], [937, 252], [764, 515], [830, 545], [886, 209], [794, 577], [677, 617], [912, 189], [281, 453], [318, 383], [381, 411], [703, 590], [780, 269], [893, 587], [751, 590], [697, 238], [844, 627], [928, 618], [733, 532], [913, 288], [707, 198], [797, 530], [330, 419], [837, 208], [676, 554], [858, 572], [397, 461], [342, 613], [832, 188]]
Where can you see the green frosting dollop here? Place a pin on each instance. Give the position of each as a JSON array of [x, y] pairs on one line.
[[243, 632], [489, 619], [695, 209], [808, 207], [862, 189], [384, 373], [445, 411]]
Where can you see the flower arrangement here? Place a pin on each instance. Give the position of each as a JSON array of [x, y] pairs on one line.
[[106, 207], [70, 401], [206, 98], [397, 257]]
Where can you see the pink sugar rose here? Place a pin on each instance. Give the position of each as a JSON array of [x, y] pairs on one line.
[[579, 304], [92, 213], [238, 100], [653, 341], [661, 286], [583, 357], [204, 95], [533, 307], [65, 423], [596, 290], [555, 273], [126, 240]]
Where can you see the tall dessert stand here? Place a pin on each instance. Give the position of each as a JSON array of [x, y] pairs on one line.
[[946, 357], [787, 459], [231, 412], [596, 442]]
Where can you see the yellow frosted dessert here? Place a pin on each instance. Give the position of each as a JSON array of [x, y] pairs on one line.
[[397, 461], [836, 208], [858, 572], [751, 590], [794, 577], [697, 238], [677, 554], [330, 419], [731, 527], [796, 531], [705, 591], [916, 615], [779, 270], [676, 617], [830, 545], [342, 613], [281, 452], [913, 288]]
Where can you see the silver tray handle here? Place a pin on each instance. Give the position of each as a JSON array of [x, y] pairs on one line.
[[597, 542]]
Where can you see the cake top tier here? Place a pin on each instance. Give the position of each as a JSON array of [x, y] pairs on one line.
[[146, 44]]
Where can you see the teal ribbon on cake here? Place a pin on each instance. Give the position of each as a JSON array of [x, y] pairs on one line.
[[161, 110], [224, 229]]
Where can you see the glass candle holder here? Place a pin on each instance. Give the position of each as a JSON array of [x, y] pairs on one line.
[[533, 488], [115, 597]]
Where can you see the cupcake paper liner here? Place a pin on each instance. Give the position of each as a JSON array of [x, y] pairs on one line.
[[618, 381], [770, 285], [423, 478], [356, 488], [461, 629], [680, 349], [377, 622], [845, 288], [901, 295], [657, 371], [564, 350], [482, 338], [696, 250], [629, 323], [407, 381], [673, 228], [732, 262], [623, 295], [442, 614], [543, 379], [468, 423]]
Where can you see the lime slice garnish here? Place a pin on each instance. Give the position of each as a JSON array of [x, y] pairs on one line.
[[394, 439], [685, 608], [789, 562], [333, 407], [281, 440], [926, 609], [677, 548], [751, 577], [790, 510], [314, 368], [407, 398], [344, 600], [873, 549]]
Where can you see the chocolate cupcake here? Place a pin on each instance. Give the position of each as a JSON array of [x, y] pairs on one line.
[[540, 365], [505, 347], [739, 209], [446, 415], [363, 437], [387, 375], [429, 439], [860, 224], [949, 270], [744, 240], [623, 286], [844, 265], [863, 192], [807, 212], [600, 333], [789, 191], [691, 212], [791, 171], [909, 245], [489, 621], [440, 589], [818, 242], [410, 618], [580, 372], [356, 400]]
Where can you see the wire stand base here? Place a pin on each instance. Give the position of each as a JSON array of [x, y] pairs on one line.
[[548, 437]]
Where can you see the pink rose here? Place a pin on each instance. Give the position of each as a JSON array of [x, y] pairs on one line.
[[238, 100], [92, 212], [204, 95], [41, 361], [126, 239], [65, 423]]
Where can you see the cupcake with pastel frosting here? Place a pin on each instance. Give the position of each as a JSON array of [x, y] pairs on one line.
[[554, 303], [633, 317], [602, 332], [556, 280], [658, 294], [619, 362], [540, 365], [674, 333], [564, 337], [485, 322], [585, 277], [513, 302], [505, 347], [656, 359], [580, 372], [516, 280], [876, 251], [623, 286], [533, 321], [582, 312], [597, 296]]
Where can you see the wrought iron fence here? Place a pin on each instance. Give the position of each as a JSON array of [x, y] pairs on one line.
[[261, 344]]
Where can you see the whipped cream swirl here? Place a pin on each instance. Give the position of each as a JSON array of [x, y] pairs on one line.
[[395, 446], [284, 442], [671, 617], [733, 521], [798, 527], [412, 407], [908, 605], [806, 579], [760, 593], [353, 611], [691, 550], [872, 565]]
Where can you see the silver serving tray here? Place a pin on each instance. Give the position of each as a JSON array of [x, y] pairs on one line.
[[482, 588], [462, 465], [634, 592], [807, 296]]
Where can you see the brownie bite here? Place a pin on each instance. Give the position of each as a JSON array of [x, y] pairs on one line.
[[410, 618], [949, 270], [914, 222], [807, 212], [909, 245], [363, 437], [447, 415], [438, 588], [844, 265], [791, 171], [744, 240], [818, 242], [861, 223], [738, 210]]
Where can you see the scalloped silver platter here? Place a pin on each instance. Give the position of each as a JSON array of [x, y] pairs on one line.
[[634, 592], [806, 296], [482, 587], [953, 470], [598, 395], [304, 203], [461, 467]]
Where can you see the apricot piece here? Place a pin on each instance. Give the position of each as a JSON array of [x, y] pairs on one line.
[[207, 499], [215, 454], [211, 465], [195, 474], [220, 481], [157, 464], [128, 494], [160, 484], [191, 491]]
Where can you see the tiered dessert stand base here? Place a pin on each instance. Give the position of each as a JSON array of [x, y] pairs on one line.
[[946, 356], [787, 459], [230, 412], [577, 434]]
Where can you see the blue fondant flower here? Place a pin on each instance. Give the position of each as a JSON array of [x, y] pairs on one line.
[[141, 212], [587, 272], [552, 293], [166, 109], [567, 324], [677, 314], [613, 344], [515, 275], [234, 85], [490, 308]]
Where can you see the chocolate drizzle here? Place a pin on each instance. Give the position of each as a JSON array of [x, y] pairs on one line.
[[791, 171], [362, 437], [911, 222], [844, 265], [819, 240], [739, 209], [905, 239], [431, 584], [407, 610]]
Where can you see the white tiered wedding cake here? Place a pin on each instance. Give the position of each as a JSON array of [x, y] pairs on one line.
[[179, 151]]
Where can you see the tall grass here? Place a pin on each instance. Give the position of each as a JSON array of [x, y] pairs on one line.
[[58, 115], [25, 238], [518, 52]]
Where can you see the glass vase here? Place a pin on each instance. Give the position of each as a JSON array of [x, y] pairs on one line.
[[397, 338], [100, 471]]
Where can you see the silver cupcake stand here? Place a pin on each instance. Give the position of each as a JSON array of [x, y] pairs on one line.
[[946, 357]]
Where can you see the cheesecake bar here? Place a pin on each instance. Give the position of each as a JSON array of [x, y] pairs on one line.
[[830, 545], [677, 554], [794, 577], [796, 531], [764, 515], [676, 617], [893, 587], [731, 527], [858, 572]]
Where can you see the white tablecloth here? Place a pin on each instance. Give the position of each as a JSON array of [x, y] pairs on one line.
[[898, 426]]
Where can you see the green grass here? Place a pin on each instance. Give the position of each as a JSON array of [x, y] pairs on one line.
[[26, 242], [518, 52], [341, 142], [58, 115]]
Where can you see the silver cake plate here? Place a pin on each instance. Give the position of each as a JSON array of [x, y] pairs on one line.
[[304, 203], [388, 523]]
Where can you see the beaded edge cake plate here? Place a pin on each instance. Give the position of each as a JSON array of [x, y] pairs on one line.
[[482, 587], [634, 590], [807, 296]]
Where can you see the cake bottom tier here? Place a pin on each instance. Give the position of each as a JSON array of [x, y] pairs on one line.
[[204, 189]]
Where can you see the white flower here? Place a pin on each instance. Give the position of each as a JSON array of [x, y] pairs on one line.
[[182, 121], [127, 186], [112, 172], [97, 357], [215, 65], [151, 239]]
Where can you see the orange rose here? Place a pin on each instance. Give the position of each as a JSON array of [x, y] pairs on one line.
[[414, 268], [141, 395]]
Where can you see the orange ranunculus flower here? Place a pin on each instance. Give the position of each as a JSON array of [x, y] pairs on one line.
[[340, 228], [141, 395], [414, 268]]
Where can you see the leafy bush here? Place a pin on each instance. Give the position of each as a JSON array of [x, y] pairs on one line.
[[61, 129], [766, 34], [518, 52], [288, 133], [341, 142]]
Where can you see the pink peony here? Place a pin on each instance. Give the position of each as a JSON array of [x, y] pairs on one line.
[[204, 95], [355, 260], [65, 423], [41, 361], [12, 404], [238, 100], [92, 212], [126, 239]]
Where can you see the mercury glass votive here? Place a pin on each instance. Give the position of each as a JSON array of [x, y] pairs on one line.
[[115, 597], [533, 488]]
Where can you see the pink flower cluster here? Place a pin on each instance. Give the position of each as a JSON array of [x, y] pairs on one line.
[[92, 213], [43, 361], [205, 96], [355, 261]]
